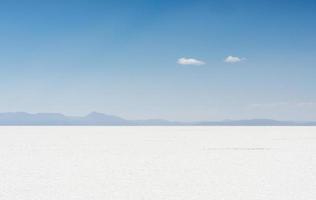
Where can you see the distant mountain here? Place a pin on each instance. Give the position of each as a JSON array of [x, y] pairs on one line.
[[21, 118], [100, 119], [95, 118], [256, 122]]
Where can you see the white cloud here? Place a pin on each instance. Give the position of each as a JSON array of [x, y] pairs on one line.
[[269, 105], [190, 61], [307, 104], [284, 105], [233, 59]]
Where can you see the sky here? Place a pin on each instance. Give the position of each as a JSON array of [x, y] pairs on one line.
[[177, 60]]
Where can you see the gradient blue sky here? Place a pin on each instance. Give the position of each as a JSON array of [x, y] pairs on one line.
[[120, 57]]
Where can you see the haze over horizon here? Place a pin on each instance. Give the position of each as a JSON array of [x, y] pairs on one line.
[[175, 60], [101, 119]]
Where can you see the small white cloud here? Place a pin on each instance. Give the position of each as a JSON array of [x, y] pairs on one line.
[[233, 59], [269, 105], [284, 105], [190, 61], [307, 104]]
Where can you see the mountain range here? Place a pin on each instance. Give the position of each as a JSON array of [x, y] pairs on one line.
[[100, 119]]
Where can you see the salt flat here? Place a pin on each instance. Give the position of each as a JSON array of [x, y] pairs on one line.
[[157, 163]]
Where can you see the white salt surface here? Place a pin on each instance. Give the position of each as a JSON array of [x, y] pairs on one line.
[[158, 163]]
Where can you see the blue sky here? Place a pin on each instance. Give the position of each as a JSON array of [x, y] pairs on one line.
[[178, 60]]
